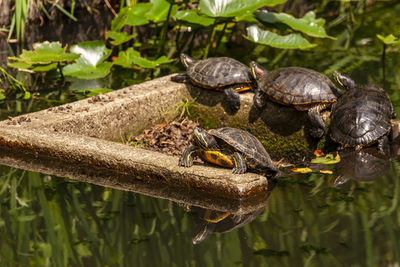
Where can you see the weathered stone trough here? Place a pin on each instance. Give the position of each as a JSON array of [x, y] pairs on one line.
[[81, 136]]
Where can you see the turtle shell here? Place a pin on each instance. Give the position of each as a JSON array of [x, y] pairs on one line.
[[254, 153], [361, 116], [218, 72], [297, 86]]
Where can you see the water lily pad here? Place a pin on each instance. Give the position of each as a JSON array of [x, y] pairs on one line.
[[290, 41], [192, 16], [119, 37], [159, 11], [232, 8], [131, 58], [389, 40], [308, 24], [90, 65], [46, 54]]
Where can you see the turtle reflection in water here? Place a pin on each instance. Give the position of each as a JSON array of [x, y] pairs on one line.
[[209, 221], [220, 74], [231, 148], [366, 164]]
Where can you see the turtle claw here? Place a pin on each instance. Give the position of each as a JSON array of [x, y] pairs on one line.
[[185, 163], [238, 170]]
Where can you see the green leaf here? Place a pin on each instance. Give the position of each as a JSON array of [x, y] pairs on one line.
[[290, 41], [232, 8], [328, 159], [308, 24], [119, 37], [159, 11], [119, 21], [136, 14], [83, 71], [2, 95], [90, 64], [91, 52], [389, 40], [192, 16], [45, 53], [131, 58]]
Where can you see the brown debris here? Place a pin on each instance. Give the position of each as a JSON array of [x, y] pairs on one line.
[[169, 138]]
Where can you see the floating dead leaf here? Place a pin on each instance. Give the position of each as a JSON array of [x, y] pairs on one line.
[[326, 171], [318, 153], [328, 159], [301, 170], [279, 162]]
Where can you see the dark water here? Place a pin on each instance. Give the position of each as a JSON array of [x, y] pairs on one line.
[[350, 218], [308, 220]]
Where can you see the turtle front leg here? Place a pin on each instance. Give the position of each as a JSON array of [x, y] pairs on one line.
[[382, 142], [317, 123], [186, 159], [180, 78], [239, 163], [259, 100], [232, 98]]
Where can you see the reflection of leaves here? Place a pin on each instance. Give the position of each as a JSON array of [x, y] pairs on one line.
[[308, 248], [269, 252], [308, 24], [90, 65], [95, 91], [290, 41], [131, 57], [328, 159], [138, 240], [232, 8]]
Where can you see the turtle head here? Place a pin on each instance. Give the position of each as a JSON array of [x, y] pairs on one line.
[[186, 60], [344, 80], [203, 139], [257, 71]]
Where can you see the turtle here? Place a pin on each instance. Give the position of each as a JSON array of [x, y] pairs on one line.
[[302, 88], [362, 165], [362, 115], [231, 148], [218, 73]]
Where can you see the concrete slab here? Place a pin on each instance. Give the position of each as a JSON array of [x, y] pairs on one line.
[[83, 133]]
